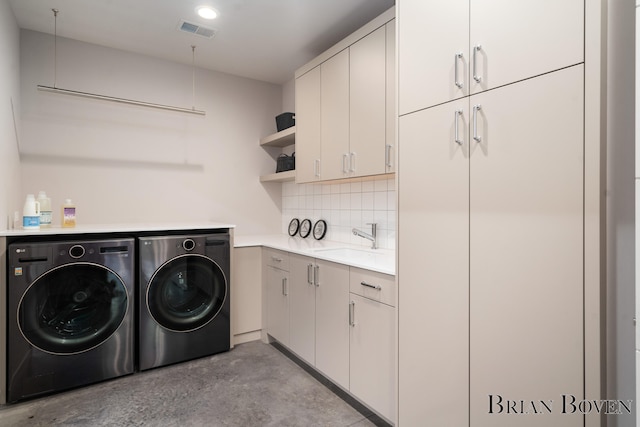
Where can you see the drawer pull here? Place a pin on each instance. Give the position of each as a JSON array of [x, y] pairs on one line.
[[376, 287], [276, 259]]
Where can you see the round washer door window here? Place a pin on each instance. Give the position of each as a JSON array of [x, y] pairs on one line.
[[186, 293], [72, 308]]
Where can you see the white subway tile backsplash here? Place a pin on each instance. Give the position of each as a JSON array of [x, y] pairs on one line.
[[367, 200], [345, 201], [380, 201], [345, 206], [380, 185]]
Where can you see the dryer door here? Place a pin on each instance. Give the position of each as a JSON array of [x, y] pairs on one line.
[[72, 308], [186, 292]]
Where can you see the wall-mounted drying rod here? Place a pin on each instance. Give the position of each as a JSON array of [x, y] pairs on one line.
[[120, 100], [56, 89]]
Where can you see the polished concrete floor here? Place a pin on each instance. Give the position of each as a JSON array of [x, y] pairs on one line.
[[254, 384]]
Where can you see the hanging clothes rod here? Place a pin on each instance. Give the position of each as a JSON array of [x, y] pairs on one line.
[[120, 100]]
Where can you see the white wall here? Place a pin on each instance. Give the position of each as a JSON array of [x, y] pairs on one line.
[[9, 102], [121, 163]]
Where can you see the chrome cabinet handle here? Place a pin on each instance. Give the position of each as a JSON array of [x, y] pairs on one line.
[[457, 59], [309, 273], [284, 286], [352, 313], [316, 167], [476, 77], [476, 137], [387, 155], [368, 285], [344, 163], [456, 137], [276, 259], [316, 275], [352, 162]]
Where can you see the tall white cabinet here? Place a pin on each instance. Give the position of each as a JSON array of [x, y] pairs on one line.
[[491, 210]]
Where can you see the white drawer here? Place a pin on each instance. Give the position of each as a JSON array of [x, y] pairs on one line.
[[276, 258], [370, 284]]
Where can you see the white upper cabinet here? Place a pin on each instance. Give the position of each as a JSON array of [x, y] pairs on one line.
[[308, 126], [334, 116], [367, 106], [433, 43], [352, 100], [453, 48], [515, 40]]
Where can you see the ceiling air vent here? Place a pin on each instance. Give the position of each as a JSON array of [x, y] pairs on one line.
[[198, 30]]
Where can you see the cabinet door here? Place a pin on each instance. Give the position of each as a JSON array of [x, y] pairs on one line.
[[367, 104], [526, 250], [308, 126], [278, 304], [430, 35], [332, 321], [246, 288], [302, 316], [335, 116], [390, 153], [433, 239], [523, 39], [373, 350]]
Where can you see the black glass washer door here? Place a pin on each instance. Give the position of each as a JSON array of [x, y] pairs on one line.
[[72, 308], [186, 292]]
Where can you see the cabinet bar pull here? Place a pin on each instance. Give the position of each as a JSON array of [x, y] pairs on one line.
[[284, 286], [376, 287], [456, 59], [276, 259], [309, 273], [352, 162], [476, 77], [344, 163], [352, 313], [387, 155], [316, 167], [316, 275], [476, 137], [456, 137]]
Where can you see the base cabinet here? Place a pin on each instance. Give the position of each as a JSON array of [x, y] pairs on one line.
[[338, 319], [372, 350], [277, 292], [319, 322]]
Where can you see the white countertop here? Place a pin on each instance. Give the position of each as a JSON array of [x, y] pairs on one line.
[[114, 228], [380, 260]]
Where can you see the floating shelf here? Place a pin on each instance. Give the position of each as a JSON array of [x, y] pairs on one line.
[[279, 177], [280, 139]]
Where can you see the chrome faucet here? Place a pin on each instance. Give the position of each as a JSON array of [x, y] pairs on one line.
[[373, 236]]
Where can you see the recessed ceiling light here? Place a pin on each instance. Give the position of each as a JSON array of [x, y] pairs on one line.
[[206, 12]]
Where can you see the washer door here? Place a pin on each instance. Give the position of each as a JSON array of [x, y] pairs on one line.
[[186, 292], [72, 308]]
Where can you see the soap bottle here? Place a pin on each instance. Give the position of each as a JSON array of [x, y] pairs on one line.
[[68, 214], [45, 209], [31, 213]]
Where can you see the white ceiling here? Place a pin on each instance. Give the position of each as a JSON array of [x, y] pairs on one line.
[[259, 39]]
